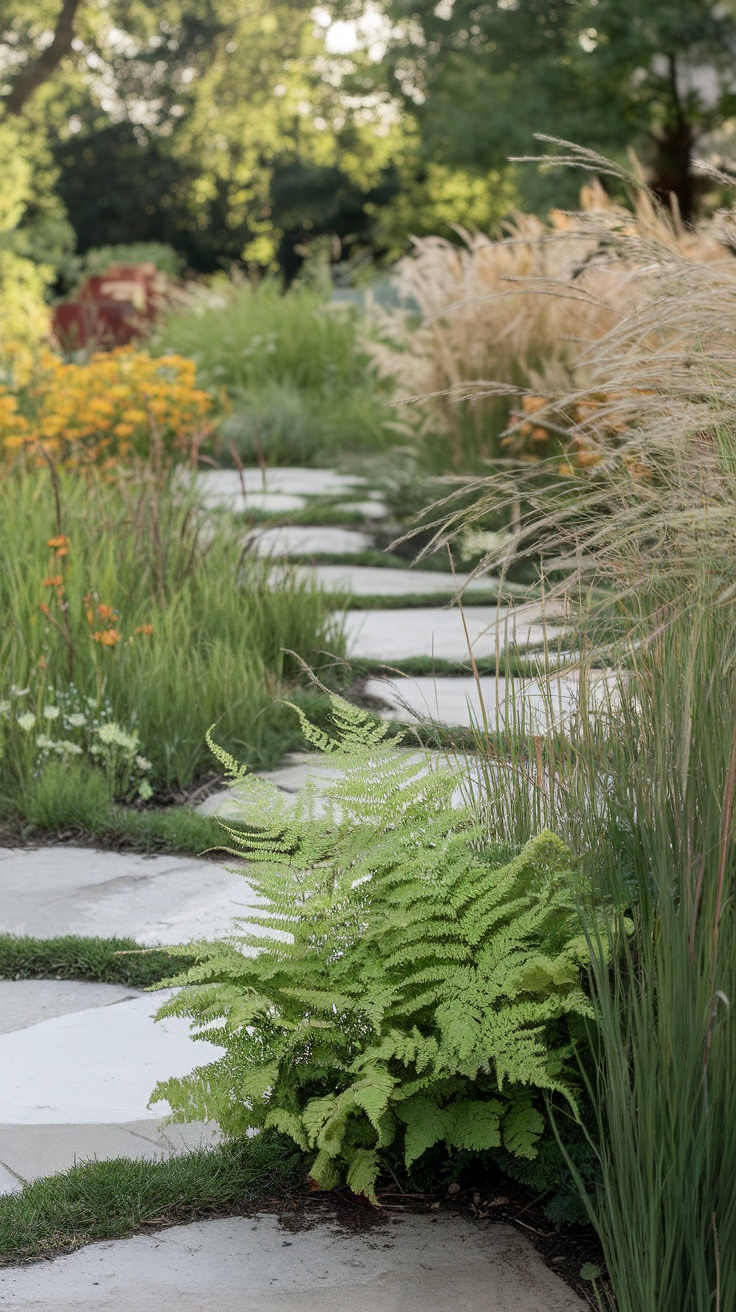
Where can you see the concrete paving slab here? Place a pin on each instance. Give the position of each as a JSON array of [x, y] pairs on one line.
[[298, 540], [29, 1152], [296, 770], [222, 486], [9, 1183], [373, 509], [69, 890], [455, 701], [393, 635], [371, 581], [252, 1264], [97, 1066], [25, 1002]]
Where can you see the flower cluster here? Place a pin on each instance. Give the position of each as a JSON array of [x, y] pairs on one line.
[[67, 724], [541, 430], [115, 406]]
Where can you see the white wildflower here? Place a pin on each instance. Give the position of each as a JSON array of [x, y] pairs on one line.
[[27, 721], [4, 708], [51, 712], [142, 763], [76, 720], [68, 748], [145, 790], [113, 736]]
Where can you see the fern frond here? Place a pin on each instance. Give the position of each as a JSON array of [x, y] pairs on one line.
[[397, 975]]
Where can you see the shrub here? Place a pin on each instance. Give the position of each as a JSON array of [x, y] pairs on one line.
[[116, 406], [414, 986], [293, 367]]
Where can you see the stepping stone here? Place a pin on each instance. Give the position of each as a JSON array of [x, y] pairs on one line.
[[393, 635], [95, 1066], [48, 891], [30, 1152], [368, 509], [455, 701], [78, 1062], [25, 1002], [291, 777], [371, 581], [223, 487], [298, 540], [252, 1264]]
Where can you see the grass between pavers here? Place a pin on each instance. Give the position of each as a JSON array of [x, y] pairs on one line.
[[508, 667], [96, 960], [411, 600], [112, 1200], [176, 829]]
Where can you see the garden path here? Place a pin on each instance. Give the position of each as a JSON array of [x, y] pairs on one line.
[[78, 1061], [254, 1264]]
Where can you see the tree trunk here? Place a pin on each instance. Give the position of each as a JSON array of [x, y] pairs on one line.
[[34, 74], [673, 145]]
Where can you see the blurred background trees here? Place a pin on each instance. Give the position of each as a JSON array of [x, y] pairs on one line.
[[244, 133]]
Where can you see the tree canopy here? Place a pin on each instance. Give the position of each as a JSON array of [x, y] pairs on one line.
[[241, 131]]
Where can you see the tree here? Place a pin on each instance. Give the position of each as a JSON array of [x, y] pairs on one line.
[[481, 76], [190, 121]]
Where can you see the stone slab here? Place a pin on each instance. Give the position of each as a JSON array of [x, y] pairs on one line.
[[252, 1264], [222, 486], [368, 509], [296, 770], [393, 635], [164, 899], [372, 581], [9, 1183], [29, 1152], [308, 540], [455, 701], [25, 1002], [96, 1066]]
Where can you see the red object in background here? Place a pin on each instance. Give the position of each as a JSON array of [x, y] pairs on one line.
[[111, 309]]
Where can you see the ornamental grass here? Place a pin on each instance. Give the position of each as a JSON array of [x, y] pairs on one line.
[[641, 782], [123, 601]]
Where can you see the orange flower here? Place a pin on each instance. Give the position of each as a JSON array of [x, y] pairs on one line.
[[61, 540], [44, 608], [108, 637], [106, 612], [54, 582], [145, 628]]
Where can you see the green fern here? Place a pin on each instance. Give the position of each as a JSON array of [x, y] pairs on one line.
[[413, 985]]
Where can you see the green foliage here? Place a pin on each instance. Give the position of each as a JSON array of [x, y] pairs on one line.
[[94, 1200], [413, 985], [68, 794], [479, 80], [293, 367], [103, 960], [203, 632]]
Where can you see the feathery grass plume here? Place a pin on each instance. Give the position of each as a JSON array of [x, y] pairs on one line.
[[508, 321], [405, 982], [643, 785]]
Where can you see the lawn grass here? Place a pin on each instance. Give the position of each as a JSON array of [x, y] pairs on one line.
[[178, 829], [114, 1199], [100, 960]]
